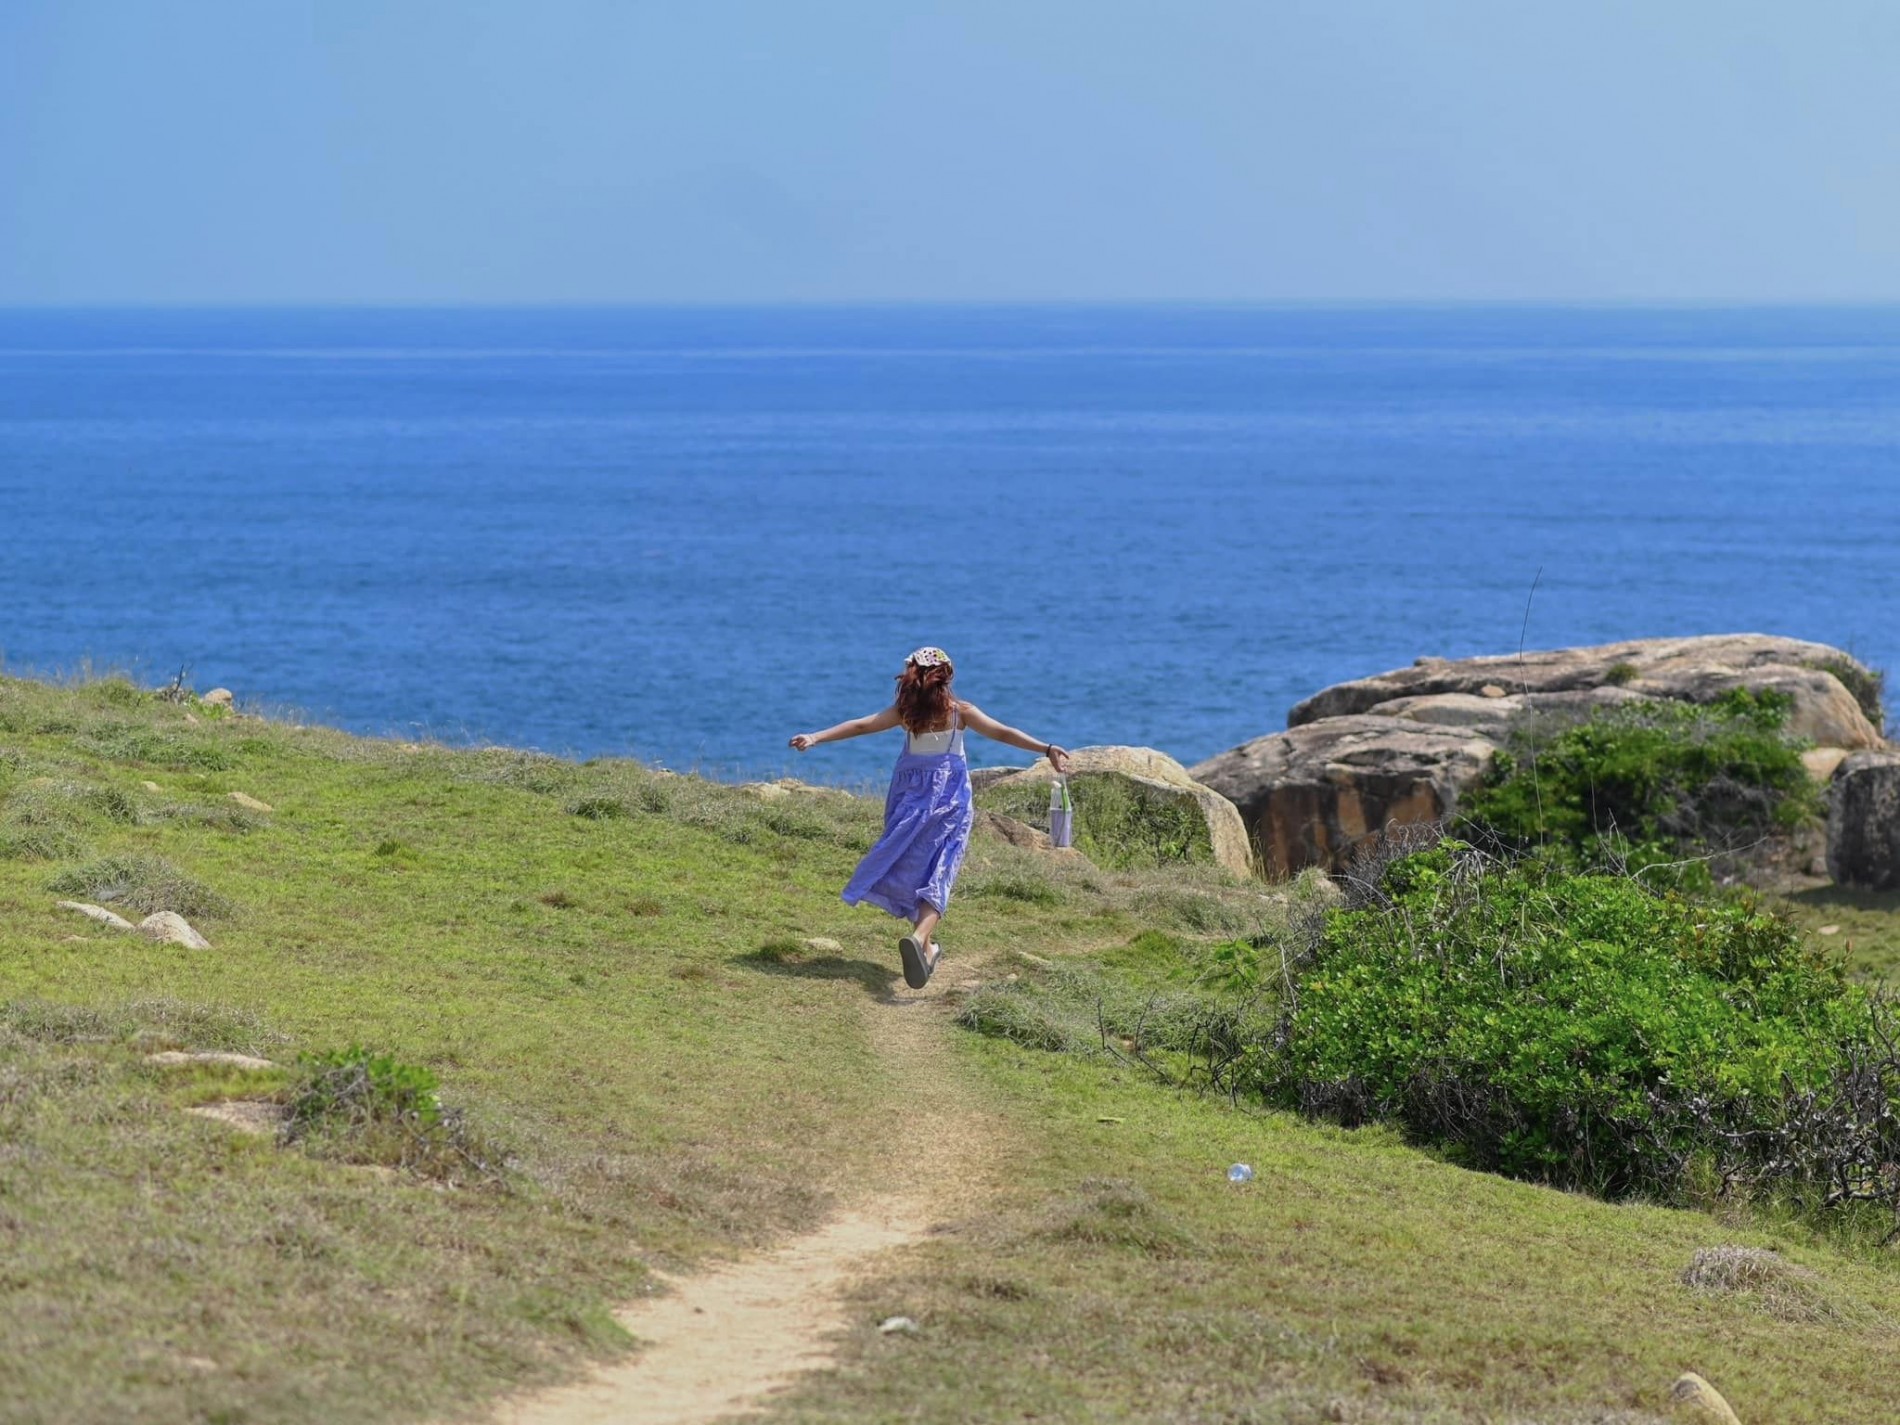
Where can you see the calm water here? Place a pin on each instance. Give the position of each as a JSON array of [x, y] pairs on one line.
[[687, 534]]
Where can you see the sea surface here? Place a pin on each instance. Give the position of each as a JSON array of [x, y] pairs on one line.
[[685, 534]]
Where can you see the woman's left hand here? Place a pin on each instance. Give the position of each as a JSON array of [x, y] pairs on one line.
[[803, 741]]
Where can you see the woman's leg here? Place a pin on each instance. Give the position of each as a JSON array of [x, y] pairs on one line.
[[927, 917]]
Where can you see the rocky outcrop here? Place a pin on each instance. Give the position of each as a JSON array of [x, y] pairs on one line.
[[1863, 822], [1144, 793], [1311, 794], [1696, 670], [1401, 747]]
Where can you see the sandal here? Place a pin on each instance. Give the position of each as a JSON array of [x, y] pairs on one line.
[[916, 968]]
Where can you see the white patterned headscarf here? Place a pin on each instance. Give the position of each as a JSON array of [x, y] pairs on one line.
[[929, 657]]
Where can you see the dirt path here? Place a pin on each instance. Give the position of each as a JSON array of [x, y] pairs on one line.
[[721, 1341]]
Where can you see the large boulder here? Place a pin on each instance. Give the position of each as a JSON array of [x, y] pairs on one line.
[[1133, 806], [1863, 822], [1311, 794], [1697, 670]]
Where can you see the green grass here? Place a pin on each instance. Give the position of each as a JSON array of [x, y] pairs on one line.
[[605, 970]]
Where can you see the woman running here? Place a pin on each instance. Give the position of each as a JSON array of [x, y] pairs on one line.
[[927, 812]]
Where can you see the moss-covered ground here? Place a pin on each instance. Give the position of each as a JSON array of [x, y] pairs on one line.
[[606, 968]]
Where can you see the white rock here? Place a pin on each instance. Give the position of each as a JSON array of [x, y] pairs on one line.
[[892, 1324], [98, 913], [218, 698], [171, 1057], [151, 786], [249, 802], [245, 1115], [170, 928]]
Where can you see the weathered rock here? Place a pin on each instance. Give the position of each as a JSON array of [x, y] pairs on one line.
[[218, 698], [1311, 794], [1009, 829], [245, 1115], [1151, 775], [249, 803], [173, 1058], [1823, 762], [168, 927], [1863, 822], [1693, 1398], [1685, 669], [985, 777], [98, 913]]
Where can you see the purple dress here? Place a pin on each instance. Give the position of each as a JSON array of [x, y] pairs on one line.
[[927, 816]]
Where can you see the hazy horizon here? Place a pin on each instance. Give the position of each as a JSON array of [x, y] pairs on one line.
[[591, 153]]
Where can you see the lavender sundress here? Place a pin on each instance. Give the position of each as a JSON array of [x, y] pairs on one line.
[[927, 817]]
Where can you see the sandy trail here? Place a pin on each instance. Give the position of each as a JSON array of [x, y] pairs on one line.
[[722, 1341]]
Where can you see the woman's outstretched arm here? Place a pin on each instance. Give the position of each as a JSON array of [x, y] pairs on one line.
[[1003, 732], [857, 727]]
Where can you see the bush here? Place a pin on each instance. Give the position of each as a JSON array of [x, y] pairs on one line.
[[141, 883], [1648, 783], [1584, 1031], [371, 1108]]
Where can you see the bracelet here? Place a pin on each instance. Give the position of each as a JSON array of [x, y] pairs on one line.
[[1047, 748]]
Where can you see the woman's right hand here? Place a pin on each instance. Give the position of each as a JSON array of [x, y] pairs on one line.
[[803, 741], [1058, 758]]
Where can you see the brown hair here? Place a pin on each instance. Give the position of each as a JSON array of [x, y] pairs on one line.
[[923, 697]]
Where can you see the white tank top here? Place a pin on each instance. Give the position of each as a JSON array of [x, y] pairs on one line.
[[935, 744]]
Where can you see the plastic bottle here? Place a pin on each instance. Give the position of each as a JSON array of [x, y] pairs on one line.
[[1240, 1173], [1061, 814]]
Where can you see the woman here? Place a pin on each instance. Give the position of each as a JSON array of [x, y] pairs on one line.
[[927, 811]]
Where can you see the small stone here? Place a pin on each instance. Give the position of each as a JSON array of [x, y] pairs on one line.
[[765, 791], [218, 698], [1492, 690], [168, 927], [245, 1115], [98, 913], [170, 1058], [961, 984], [74, 939], [823, 945], [892, 1324], [250, 803], [151, 786], [1829, 930], [202, 1364], [1011, 979]]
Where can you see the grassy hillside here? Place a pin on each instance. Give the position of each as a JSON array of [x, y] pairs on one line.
[[606, 968]]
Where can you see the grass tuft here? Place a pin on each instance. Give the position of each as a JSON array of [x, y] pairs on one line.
[[144, 884]]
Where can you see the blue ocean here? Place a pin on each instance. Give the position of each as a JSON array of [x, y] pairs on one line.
[[685, 534]]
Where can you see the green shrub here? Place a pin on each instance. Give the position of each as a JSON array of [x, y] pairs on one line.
[[1575, 1029], [1647, 783], [141, 883], [40, 843], [366, 1107]]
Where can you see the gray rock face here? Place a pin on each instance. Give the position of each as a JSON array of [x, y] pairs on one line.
[[1863, 822], [1312, 793], [1697, 670]]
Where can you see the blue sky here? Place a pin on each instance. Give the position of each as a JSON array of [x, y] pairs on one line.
[[802, 150]]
